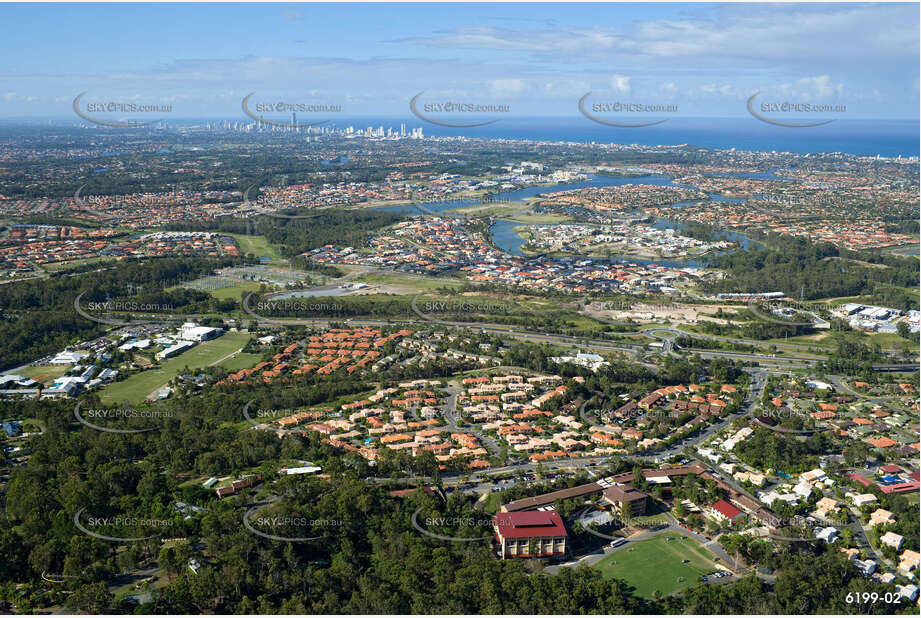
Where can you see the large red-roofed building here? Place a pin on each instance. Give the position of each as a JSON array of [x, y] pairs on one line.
[[900, 488], [519, 533], [722, 510]]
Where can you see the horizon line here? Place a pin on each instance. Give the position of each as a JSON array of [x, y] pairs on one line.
[[574, 116]]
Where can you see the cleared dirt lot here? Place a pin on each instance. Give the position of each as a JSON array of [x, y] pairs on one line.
[[662, 312]]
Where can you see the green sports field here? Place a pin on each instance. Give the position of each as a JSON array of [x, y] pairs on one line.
[[257, 245], [136, 388], [656, 564], [46, 374]]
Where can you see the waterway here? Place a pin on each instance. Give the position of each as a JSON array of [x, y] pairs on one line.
[[518, 195], [504, 236]]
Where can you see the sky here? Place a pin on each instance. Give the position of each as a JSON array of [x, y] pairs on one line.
[[704, 60]]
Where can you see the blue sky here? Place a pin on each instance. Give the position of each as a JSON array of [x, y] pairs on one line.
[[538, 59]]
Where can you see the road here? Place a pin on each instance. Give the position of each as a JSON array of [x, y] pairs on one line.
[[589, 463], [591, 420], [883, 400], [903, 436], [596, 345], [755, 342], [449, 412], [592, 344], [756, 389]]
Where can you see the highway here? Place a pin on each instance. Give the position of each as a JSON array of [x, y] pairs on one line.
[[677, 332], [583, 343]]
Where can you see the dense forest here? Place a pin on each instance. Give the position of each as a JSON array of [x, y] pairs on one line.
[[363, 556], [800, 268], [333, 226], [767, 449], [754, 329]]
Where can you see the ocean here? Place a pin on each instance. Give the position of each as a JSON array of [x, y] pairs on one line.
[[886, 138]]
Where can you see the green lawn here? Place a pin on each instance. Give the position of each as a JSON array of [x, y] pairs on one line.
[[492, 503], [893, 341], [46, 374], [413, 283], [825, 340], [656, 564], [489, 307], [58, 266], [819, 340], [491, 210], [539, 219], [235, 291], [864, 300], [257, 245], [240, 361], [137, 387]]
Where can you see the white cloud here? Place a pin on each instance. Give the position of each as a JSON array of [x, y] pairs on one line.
[[11, 97], [620, 84], [568, 88], [752, 36], [714, 57], [506, 87], [548, 40], [818, 87], [724, 90]]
